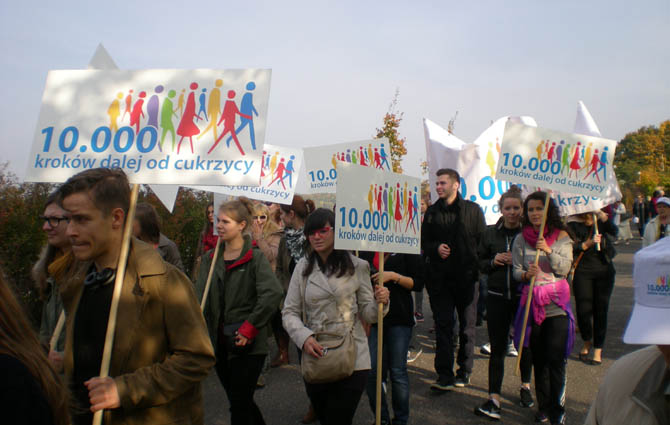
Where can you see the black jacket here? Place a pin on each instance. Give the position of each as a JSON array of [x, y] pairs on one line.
[[401, 307], [593, 259], [496, 239], [463, 239]]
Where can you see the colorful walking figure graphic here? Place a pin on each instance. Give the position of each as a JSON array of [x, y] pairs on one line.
[[378, 159], [137, 112], [595, 164], [202, 100], [180, 103], [603, 163], [334, 161], [264, 166], [361, 157], [213, 108], [289, 171], [247, 108], [114, 111], [129, 103], [550, 154], [397, 215], [565, 159], [153, 106], [188, 128], [574, 164], [279, 175], [273, 163], [491, 160], [559, 152], [384, 158], [166, 120], [230, 110], [539, 148], [371, 197], [410, 212]]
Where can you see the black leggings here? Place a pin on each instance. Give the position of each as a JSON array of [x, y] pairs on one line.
[[592, 289], [547, 341], [335, 403], [501, 313], [239, 376]]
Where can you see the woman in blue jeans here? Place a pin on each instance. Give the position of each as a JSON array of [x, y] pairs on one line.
[[401, 277]]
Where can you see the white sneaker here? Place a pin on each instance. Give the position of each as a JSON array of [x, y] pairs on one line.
[[413, 355], [511, 351], [485, 349]]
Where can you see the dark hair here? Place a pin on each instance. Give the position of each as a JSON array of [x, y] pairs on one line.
[[554, 220], [53, 198], [18, 340], [453, 174], [239, 210], [301, 207], [339, 261], [108, 187], [40, 271], [514, 192], [147, 217]]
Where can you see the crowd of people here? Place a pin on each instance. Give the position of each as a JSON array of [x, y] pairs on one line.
[[272, 271]]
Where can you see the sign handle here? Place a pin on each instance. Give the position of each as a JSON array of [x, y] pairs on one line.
[[57, 331], [532, 285], [118, 285], [210, 274], [380, 343], [595, 229]]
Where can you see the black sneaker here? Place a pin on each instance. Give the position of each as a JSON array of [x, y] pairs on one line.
[[443, 384], [489, 409], [526, 398], [462, 380], [541, 418]]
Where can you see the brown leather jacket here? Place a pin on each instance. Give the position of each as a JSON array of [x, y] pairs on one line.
[[161, 347]]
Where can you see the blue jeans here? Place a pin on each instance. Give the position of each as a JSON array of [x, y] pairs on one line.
[[394, 362]]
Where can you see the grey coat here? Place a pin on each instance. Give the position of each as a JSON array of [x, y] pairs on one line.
[[331, 304]]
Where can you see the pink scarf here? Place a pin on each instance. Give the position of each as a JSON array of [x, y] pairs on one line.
[[531, 235]]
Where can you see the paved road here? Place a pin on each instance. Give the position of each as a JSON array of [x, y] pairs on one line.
[[283, 400]]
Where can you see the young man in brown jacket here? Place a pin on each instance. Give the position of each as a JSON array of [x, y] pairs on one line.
[[161, 349]]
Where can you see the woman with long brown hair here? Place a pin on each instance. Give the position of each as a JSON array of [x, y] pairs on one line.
[[31, 391]]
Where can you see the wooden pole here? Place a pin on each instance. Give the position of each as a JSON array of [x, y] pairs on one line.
[[532, 285], [57, 331], [595, 228], [380, 343], [210, 274], [118, 284]]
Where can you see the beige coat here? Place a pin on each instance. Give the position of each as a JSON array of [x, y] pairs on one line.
[[332, 304], [630, 393], [161, 347]]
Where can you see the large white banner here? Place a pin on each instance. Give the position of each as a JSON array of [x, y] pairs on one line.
[[279, 177], [160, 126], [320, 161], [475, 162], [572, 163], [377, 210]]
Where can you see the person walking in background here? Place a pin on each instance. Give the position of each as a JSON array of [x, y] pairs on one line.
[[622, 221], [451, 230], [266, 233], [641, 212], [550, 329], [146, 227], [418, 295], [593, 280], [52, 268], [31, 392], [654, 202], [502, 303], [659, 226], [402, 276], [243, 296], [328, 291]]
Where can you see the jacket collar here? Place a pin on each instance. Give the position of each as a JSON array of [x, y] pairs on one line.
[[650, 390], [246, 254]]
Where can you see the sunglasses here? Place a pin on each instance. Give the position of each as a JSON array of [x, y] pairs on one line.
[[262, 217], [53, 220], [321, 232]]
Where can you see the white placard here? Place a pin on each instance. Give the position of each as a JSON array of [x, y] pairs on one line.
[[320, 161], [572, 163], [377, 210], [279, 177], [160, 126]]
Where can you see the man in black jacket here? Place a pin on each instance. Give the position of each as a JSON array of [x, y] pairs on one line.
[[450, 234]]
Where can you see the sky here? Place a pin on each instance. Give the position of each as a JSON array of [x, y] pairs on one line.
[[336, 65]]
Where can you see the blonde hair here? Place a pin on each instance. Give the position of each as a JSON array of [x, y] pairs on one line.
[[270, 227], [239, 210]]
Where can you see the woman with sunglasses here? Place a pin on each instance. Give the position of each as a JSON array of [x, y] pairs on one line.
[[337, 289], [266, 233], [550, 328], [243, 296]]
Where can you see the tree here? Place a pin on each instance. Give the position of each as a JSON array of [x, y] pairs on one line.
[[389, 130], [642, 159]]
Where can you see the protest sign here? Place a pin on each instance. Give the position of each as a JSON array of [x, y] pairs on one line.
[[149, 124], [572, 163], [380, 215], [320, 162], [475, 162], [279, 177]]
